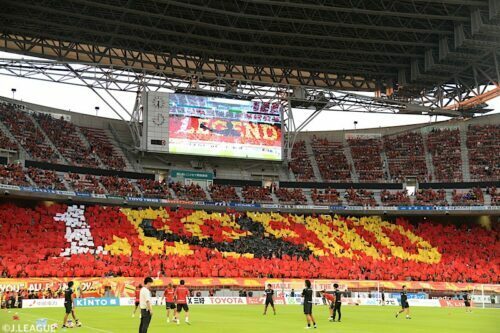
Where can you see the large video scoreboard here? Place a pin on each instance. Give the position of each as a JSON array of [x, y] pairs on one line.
[[212, 126]]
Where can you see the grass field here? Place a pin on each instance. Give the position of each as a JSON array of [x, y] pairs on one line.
[[221, 319]]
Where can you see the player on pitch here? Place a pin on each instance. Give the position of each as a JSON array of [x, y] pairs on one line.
[[69, 295], [307, 294], [181, 295], [170, 301], [137, 298], [269, 293], [330, 299]]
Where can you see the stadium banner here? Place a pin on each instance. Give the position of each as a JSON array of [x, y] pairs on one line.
[[125, 287], [424, 302], [142, 199], [297, 300], [362, 136], [9, 187], [452, 303], [43, 303], [261, 300], [410, 296], [223, 300], [127, 301], [368, 301], [84, 194], [94, 301], [181, 174], [243, 204], [481, 298], [45, 190]]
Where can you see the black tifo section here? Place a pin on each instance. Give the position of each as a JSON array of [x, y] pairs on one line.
[[259, 245], [88, 171]]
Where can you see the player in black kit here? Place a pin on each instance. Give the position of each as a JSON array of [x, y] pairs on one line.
[[269, 293], [68, 305], [404, 304], [307, 293], [338, 302], [467, 303]]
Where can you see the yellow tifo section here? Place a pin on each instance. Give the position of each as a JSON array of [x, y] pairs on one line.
[[193, 222], [324, 231], [426, 252], [120, 246], [327, 234], [152, 245]]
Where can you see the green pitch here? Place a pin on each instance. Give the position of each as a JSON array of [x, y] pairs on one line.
[[221, 319]]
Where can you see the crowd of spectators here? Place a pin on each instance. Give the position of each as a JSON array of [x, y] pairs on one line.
[[265, 245], [328, 196], [46, 179], [397, 198], [444, 146], [224, 193], [27, 134], [189, 192], [253, 194], [360, 197], [119, 186], [483, 144], [472, 197], [300, 163], [84, 183], [406, 156], [430, 197], [154, 188], [63, 135], [366, 154], [291, 196], [494, 194], [13, 174], [331, 160], [102, 146], [7, 143]]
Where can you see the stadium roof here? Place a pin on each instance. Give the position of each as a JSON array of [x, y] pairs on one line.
[[344, 44]]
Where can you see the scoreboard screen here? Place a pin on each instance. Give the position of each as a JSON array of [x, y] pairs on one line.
[[213, 126]]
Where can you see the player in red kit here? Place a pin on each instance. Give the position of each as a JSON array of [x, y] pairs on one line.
[[137, 293], [331, 302], [169, 295], [181, 295]]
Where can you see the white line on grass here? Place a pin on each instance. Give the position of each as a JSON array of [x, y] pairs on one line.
[[92, 328]]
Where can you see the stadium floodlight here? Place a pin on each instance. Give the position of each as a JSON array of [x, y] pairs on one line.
[[355, 124], [96, 110], [13, 92]]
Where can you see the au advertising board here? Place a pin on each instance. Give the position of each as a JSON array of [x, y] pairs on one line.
[[43, 303]]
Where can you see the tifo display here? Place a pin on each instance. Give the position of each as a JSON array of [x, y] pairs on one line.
[[114, 241], [212, 126]]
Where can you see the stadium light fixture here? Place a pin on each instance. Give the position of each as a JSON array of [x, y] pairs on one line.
[[13, 92], [96, 110], [355, 124]]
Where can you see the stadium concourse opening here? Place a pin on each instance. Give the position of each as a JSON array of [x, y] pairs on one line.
[[201, 194]]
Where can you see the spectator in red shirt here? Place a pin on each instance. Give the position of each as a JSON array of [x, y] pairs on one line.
[[181, 295]]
